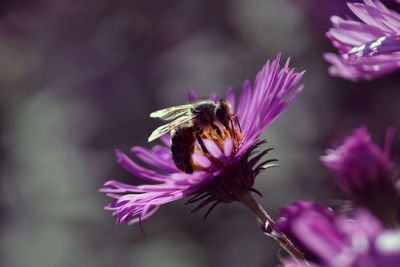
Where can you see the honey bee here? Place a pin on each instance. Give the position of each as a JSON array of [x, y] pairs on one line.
[[188, 124]]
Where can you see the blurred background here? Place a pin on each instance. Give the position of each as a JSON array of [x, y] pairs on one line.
[[79, 79]]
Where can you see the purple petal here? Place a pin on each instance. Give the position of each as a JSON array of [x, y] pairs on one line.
[[166, 139], [213, 148], [202, 160], [369, 14], [154, 159], [162, 151], [137, 170], [148, 214], [382, 45], [244, 102], [192, 97], [194, 178], [119, 187], [272, 87], [228, 146], [316, 233], [215, 98], [231, 98], [370, 48]]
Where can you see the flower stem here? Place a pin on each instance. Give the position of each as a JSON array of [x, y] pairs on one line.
[[266, 220]]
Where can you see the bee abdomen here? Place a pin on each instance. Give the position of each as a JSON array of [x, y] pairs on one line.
[[182, 145]]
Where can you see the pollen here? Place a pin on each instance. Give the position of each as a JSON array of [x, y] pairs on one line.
[[220, 142]]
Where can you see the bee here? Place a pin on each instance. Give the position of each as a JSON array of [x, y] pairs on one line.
[[189, 122]]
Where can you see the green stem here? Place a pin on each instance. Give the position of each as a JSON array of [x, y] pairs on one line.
[[263, 216]]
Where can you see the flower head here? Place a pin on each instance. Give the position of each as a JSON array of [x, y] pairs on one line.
[[305, 223], [368, 48], [364, 171], [328, 240], [223, 167]]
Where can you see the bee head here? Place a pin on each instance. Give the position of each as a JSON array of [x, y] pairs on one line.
[[222, 111]]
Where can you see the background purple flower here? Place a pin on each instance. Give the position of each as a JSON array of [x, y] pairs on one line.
[[368, 48], [227, 172], [358, 160], [328, 240], [318, 12], [297, 263], [365, 173], [310, 227]]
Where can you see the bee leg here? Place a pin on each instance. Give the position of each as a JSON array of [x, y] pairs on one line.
[[229, 128], [203, 147], [216, 128], [232, 128], [235, 118]]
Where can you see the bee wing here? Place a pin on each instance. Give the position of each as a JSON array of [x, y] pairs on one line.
[[164, 129], [171, 112]]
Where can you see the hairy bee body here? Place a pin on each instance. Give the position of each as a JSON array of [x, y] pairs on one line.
[[183, 137], [182, 146], [188, 127]]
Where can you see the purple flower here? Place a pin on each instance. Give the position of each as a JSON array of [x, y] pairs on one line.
[[331, 241], [365, 173], [302, 223], [225, 173], [292, 262], [368, 48]]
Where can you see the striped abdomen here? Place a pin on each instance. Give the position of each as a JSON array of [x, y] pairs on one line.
[[182, 145]]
